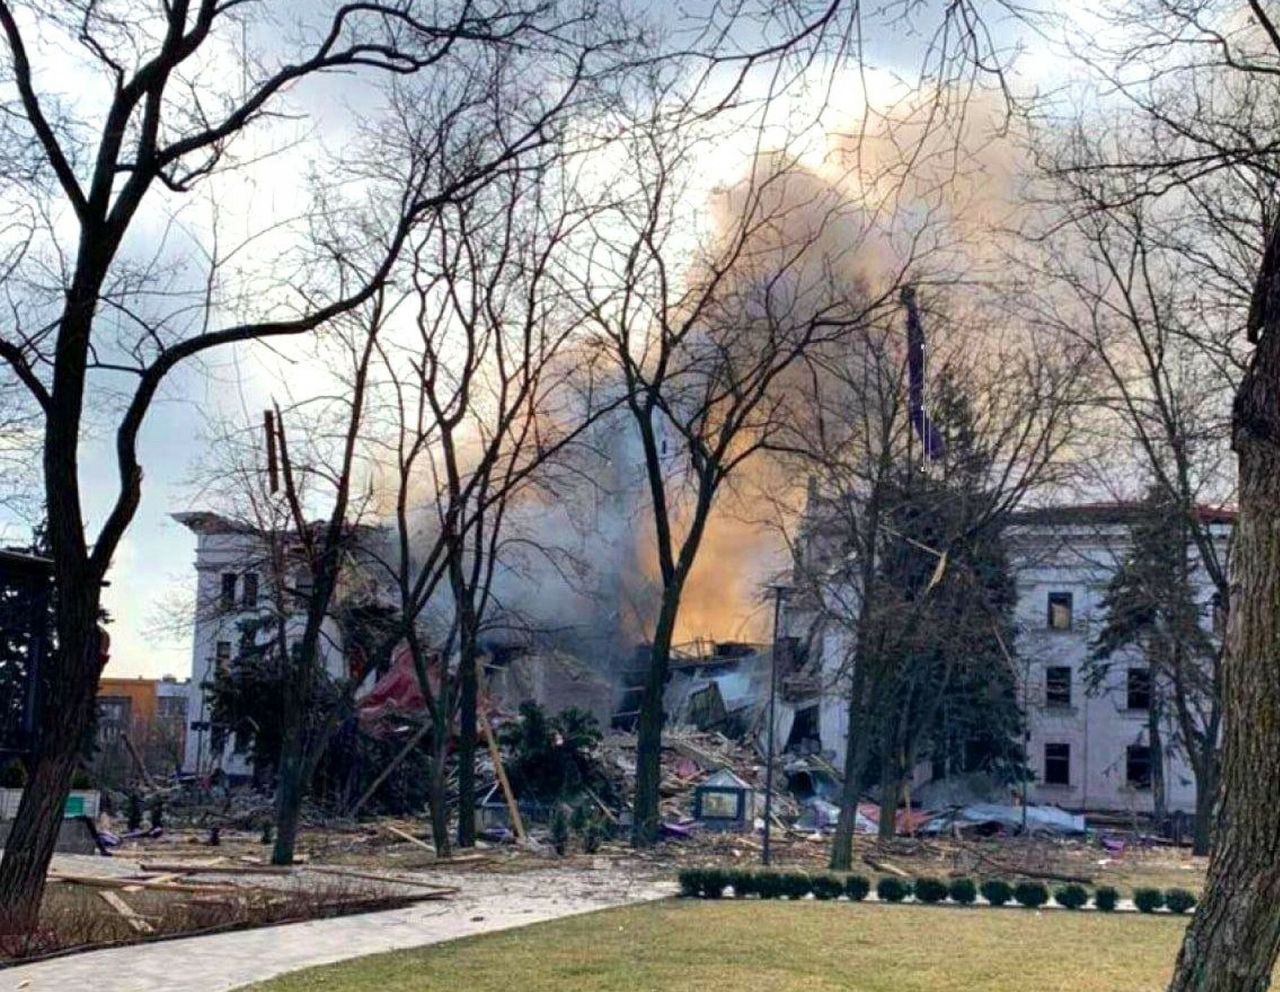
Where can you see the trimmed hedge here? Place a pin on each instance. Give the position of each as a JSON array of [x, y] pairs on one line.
[[856, 887], [703, 883], [826, 887], [891, 889], [1179, 900], [711, 883], [963, 891], [1033, 895], [930, 890]]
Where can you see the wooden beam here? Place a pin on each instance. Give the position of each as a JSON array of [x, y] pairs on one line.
[[199, 869], [116, 902], [517, 823]]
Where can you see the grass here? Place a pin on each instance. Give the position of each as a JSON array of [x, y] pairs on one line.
[[683, 946]]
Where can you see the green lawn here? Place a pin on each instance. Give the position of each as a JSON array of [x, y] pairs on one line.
[[683, 946]]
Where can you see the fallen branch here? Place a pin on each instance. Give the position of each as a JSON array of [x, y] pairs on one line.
[[884, 866]]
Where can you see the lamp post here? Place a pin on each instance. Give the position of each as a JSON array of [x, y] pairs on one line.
[[779, 591]]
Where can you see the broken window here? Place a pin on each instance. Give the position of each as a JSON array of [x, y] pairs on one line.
[[1057, 764], [1137, 766], [1139, 689], [227, 600], [1060, 610], [249, 592], [1057, 685]]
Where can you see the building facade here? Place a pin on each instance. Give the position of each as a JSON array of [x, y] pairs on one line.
[[233, 591], [1088, 741], [1089, 746]]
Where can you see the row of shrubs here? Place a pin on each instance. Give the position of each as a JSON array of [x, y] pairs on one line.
[[710, 883]]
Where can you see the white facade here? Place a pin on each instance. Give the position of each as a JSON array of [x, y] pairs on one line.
[[231, 588], [1095, 740], [1085, 745]]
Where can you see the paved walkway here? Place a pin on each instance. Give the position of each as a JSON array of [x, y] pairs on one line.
[[230, 960]]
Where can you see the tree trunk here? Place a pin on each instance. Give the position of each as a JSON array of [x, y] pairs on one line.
[[1206, 798], [468, 679], [855, 759], [890, 792], [1159, 800], [644, 828], [437, 790], [289, 791], [69, 693], [1233, 939]]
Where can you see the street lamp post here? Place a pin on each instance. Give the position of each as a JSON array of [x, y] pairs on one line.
[[779, 591]]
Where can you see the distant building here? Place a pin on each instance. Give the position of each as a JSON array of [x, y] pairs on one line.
[[139, 721]]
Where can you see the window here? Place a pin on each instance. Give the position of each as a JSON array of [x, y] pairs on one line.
[[171, 707], [228, 596], [1137, 766], [1060, 611], [1057, 685], [222, 654], [113, 717], [1139, 689], [249, 592], [1057, 764]]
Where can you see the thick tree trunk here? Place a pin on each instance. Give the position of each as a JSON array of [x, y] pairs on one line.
[[644, 828], [1233, 939], [69, 692], [289, 793]]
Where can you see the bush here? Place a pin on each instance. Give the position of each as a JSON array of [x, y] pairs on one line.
[[1033, 895], [856, 887], [892, 889], [1105, 899], [963, 891], [1148, 900], [1179, 900], [13, 775], [769, 885], [996, 891], [827, 887], [703, 883], [795, 884], [930, 890], [81, 780], [1071, 896], [742, 881]]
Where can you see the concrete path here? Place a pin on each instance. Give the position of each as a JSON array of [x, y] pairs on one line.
[[230, 960]]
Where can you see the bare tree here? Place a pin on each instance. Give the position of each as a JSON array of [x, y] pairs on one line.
[[171, 123], [1199, 76], [1152, 303]]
